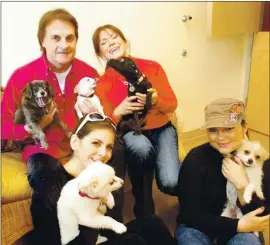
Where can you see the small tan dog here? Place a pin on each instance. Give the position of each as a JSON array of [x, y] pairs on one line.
[[252, 155], [82, 201]]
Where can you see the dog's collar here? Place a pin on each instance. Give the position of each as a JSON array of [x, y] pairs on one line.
[[90, 96], [141, 79], [82, 194]]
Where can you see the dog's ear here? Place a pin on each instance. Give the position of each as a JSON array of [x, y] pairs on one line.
[[27, 91], [265, 154], [50, 89], [88, 182], [94, 185]]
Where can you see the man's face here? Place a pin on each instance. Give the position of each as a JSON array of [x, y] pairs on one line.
[[60, 44]]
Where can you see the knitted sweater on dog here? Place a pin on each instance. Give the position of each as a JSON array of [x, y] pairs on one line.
[[202, 193], [112, 89]]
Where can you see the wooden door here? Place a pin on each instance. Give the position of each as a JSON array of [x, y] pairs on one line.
[[229, 18], [258, 93]]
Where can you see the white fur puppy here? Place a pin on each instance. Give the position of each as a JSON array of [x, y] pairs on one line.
[[81, 201], [86, 91], [252, 155]]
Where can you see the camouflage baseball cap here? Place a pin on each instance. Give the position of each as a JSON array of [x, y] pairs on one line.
[[224, 113]]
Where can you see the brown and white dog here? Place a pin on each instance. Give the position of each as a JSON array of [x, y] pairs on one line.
[[37, 97], [253, 156]]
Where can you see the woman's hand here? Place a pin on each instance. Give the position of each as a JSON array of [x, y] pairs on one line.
[[48, 118], [154, 98], [235, 172], [127, 106], [141, 98], [250, 222]]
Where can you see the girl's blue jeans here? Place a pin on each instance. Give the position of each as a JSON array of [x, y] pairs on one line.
[[153, 150]]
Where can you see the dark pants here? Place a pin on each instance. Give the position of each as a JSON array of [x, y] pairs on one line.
[[47, 177], [153, 150], [148, 230], [118, 163]]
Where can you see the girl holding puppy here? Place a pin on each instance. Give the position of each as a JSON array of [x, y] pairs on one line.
[[93, 141], [202, 184], [157, 147]]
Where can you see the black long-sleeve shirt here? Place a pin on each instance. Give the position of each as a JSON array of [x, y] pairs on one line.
[[202, 193]]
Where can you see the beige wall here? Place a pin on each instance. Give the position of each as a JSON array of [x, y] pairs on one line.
[[214, 67]]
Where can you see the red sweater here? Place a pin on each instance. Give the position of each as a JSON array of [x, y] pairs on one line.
[[112, 90], [38, 70]]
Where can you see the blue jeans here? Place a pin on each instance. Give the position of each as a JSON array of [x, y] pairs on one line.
[[189, 236], [155, 149]]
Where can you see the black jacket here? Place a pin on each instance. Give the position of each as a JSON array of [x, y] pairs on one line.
[[202, 193]]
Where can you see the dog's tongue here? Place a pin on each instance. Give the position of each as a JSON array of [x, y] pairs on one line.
[[40, 102]]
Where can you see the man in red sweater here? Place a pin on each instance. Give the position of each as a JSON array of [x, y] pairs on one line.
[[57, 36]]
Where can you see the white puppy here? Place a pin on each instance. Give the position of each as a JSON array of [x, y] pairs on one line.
[[82, 200], [252, 155], [86, 91]]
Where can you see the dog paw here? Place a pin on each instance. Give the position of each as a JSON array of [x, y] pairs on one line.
[[44, 144], [256, 233], [68, 134], [247, 197], [260, 195], [67, 237], [80, 115], [101, 239], [120, 228]]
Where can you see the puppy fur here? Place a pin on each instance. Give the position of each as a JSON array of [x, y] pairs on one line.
[[86, 91], [37, 97], [96, 183], [252, 155]]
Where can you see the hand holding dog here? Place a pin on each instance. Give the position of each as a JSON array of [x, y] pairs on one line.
[[235, 172], [141, 98], [127, 106], [154, 97], [48, 118], [87, 107], [251, 222]]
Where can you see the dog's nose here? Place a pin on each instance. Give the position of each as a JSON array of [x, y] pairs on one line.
[[42, 93], [250, 161]]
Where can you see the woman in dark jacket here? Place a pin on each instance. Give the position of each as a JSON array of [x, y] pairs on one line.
[[203, 179]]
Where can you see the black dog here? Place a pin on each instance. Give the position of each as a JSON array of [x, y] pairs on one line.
[[36, 100], [137, 83]]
